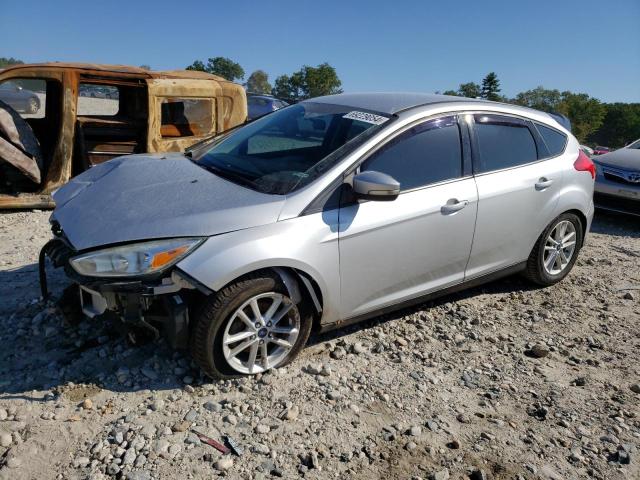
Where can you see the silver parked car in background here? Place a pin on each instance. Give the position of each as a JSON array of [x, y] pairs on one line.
[[323, 213], [618, 180]]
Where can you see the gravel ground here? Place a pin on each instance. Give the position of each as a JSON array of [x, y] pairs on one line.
[[505, 381]]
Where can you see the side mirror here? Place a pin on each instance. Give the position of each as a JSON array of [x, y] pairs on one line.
[[372, 185]]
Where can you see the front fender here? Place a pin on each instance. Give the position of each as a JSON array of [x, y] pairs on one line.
[[308, 244]]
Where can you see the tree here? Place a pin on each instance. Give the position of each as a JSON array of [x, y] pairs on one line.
[[198, 66], [308, 82], [452, 93], [258, 82], [491, 87], [221, 66], [586, 113], [540, 98], [470, 90], [7, 62], [145, 67], [621, 125]]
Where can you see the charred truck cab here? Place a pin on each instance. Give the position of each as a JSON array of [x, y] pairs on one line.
[[58, 120]]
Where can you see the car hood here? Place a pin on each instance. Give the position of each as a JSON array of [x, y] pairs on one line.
[[141, 197], [625, 158]]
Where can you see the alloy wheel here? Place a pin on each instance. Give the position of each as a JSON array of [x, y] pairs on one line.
[[559, 247], [260, 334]]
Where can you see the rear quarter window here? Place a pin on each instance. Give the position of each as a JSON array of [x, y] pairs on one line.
[[503, 142], [555, 140]]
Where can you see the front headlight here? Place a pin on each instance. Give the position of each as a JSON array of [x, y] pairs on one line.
[[134, 259]]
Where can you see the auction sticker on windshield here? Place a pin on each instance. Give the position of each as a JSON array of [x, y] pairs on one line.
[[366, 117]]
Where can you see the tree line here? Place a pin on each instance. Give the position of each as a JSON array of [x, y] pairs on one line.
[[592, 121], [308, 82]]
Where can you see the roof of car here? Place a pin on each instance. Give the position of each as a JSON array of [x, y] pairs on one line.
[[124, 69], [389, 103]]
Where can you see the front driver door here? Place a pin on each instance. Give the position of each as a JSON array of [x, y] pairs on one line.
[[392, 251]]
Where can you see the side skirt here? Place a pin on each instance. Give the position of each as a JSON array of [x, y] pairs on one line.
[[474, 282]]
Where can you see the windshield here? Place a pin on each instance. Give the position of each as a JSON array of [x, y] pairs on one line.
[[289, 148], [635, 145]]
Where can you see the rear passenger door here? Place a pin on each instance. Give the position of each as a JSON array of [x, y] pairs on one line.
[[518, 185], [392, 251]]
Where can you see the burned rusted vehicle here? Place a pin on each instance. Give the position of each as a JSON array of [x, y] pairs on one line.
[[76, 116]]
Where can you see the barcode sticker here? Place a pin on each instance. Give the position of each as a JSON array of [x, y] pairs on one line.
[[366, 117]]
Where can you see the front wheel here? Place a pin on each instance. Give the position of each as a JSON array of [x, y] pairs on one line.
[[249, 327], [556, 250]]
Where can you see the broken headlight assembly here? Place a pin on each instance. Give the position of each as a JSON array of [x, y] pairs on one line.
[[134, 259]]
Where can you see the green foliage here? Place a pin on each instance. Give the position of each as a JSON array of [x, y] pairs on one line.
[[221, 66], [7, 62], [258, 82], [453, 93], [540, 98], [469, 90], [491, 87], [308, 82], [198, 66], [586, 113], [621, 125]]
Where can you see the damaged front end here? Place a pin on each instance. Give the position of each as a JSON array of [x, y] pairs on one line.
[[137, 283]]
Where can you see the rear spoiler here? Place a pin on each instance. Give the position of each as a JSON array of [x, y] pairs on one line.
[[561, 119]]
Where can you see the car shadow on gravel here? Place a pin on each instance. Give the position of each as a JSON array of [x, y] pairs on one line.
[[42, 351], [616, 224], [512, 283]]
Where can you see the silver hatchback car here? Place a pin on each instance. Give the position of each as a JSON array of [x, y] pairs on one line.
[[323, 213]]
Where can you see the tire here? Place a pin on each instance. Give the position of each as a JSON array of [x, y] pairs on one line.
[[33, 106], [219, 314], [536, 270]]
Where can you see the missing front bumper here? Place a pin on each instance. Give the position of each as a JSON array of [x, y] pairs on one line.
[[159, 305]]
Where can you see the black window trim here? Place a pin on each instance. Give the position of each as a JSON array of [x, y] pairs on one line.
[[475, 148], [464, 145], [317, 204], [564, 147]]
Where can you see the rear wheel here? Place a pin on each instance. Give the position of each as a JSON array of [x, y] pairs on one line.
[[249, 327], [556, 250]]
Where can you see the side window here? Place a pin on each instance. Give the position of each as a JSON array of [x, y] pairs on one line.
[[427, 153], [555, 140], [98, 100], [186, 117], [27, 96], [503, 142]]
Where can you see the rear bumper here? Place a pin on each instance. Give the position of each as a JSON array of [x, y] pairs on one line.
[[615, 203]]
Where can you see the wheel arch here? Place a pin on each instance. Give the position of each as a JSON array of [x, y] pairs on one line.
[[298, 282]]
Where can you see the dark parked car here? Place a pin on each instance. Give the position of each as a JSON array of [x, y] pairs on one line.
[[601, 150], [259, 105], [18, 98]]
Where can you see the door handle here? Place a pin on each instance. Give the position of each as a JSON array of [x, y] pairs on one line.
[[543, 183], [453, 205]]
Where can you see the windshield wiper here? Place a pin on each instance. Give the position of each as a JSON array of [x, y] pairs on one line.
[[228, 174]]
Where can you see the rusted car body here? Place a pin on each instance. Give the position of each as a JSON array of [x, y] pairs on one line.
[[88, 114]]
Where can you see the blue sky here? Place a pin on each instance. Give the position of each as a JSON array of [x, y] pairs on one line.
[[584, 46]]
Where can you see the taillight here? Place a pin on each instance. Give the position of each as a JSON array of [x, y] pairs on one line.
[[585, 164]]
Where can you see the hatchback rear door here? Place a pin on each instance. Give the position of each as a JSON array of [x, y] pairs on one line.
[[518, 185], [394, 251]]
